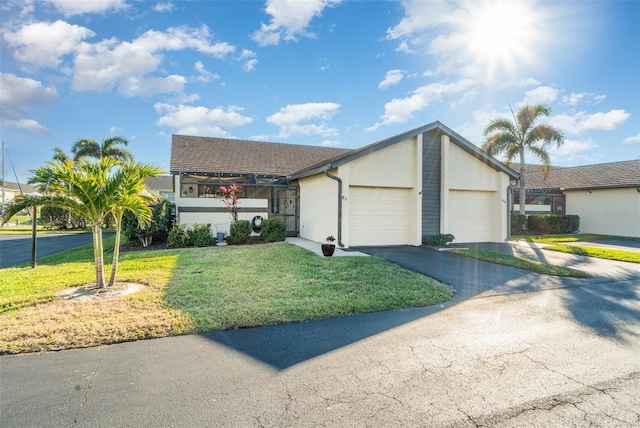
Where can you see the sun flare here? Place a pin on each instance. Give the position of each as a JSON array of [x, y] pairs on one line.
[[500, 34]]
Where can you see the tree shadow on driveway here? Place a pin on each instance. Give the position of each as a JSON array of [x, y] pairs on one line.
[[602, 304]]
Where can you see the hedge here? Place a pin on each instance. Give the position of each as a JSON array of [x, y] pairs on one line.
[[552, 224]]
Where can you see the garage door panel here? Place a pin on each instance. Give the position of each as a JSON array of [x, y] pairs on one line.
[[378, 216], [471, 215]]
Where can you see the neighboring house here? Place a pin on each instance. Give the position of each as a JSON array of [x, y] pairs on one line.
[[605, 196], [11, 189], [398, 191], [161, 185]]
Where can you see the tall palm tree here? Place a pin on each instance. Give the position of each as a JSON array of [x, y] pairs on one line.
[[94, 191], [88, 148], [515, 137]]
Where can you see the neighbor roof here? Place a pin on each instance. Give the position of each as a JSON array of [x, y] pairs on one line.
[[605, 175], [224, 155], [15, 187], [160, 182]]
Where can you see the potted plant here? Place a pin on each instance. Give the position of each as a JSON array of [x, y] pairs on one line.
[[329, 247]]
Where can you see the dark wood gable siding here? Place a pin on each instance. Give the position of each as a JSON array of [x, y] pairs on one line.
[[431, 173]]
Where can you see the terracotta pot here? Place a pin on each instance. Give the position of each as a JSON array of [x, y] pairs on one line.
[[328, 249]]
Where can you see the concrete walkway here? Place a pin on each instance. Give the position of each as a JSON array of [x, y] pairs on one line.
[[316, 247]]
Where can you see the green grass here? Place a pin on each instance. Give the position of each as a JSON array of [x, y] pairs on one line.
[[521, 263], [559, 239], [601, 253], [197, 290]]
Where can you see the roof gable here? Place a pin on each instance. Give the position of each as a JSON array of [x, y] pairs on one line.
[[437, 126]]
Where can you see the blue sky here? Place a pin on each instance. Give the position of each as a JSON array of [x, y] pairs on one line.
[[319, 72]]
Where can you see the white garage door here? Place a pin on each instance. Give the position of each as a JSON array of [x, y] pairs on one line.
[[471, 215], [378, 216]]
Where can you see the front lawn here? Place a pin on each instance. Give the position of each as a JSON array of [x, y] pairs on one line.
[[559, 239], [520, 263], [197, 290], [601, 253]]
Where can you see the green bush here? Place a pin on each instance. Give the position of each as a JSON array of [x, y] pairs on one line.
[[177, 237], [518, 223], [57, 218], [273, 230], [439, 240], [157, 230], [240, 232], [553, 224], [199, 235]]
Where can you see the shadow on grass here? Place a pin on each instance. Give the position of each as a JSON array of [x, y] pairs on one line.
[[603, 304]]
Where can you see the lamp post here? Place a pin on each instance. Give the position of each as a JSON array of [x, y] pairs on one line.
[[34, 231]]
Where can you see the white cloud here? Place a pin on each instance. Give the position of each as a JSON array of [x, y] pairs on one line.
[[539, 95], [109, 63], [393, 77], [205, 75], [400, 110], [404, 47], [80, 7], [289, 19], [530, 81], [634, 139], [18, 95], [330, 143], [28, 124], [420, 16], [164, 7], [43, 44], [200, 120], [292, 117], [249, 58], [577, 97], [571, 150], [580, 122]]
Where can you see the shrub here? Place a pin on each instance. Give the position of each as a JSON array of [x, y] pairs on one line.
[[518, 223], [552, 224], [177, 237], [240, 232], [199, 235], [273, 230], [157, 230], [439, 240], [57, 218]]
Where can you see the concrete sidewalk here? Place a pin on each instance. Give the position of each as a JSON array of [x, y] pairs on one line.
[[316, 247]]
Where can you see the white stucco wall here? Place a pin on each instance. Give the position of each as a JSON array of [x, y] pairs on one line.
[[220, 220], [318, 207], [607, 212], [462, 171], [391, 167]]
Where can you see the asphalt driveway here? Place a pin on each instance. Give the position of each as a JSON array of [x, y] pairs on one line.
[[561, 354]]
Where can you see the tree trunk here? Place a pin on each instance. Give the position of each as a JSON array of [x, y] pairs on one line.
[[523, 179], [98, 255], [116, 255]]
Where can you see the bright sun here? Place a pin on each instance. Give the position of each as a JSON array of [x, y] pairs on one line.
[[500, 34]]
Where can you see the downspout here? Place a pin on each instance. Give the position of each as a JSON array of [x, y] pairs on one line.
[[509, 209], [333, 177]]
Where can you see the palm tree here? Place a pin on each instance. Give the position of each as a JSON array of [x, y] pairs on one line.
[[59, 155], [94, 191], [514, 138], [128, 190], [88, 148]]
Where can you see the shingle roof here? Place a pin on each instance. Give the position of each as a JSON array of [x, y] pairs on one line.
[[160, 182], [203, 154], [605, 175], [15, 187]]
